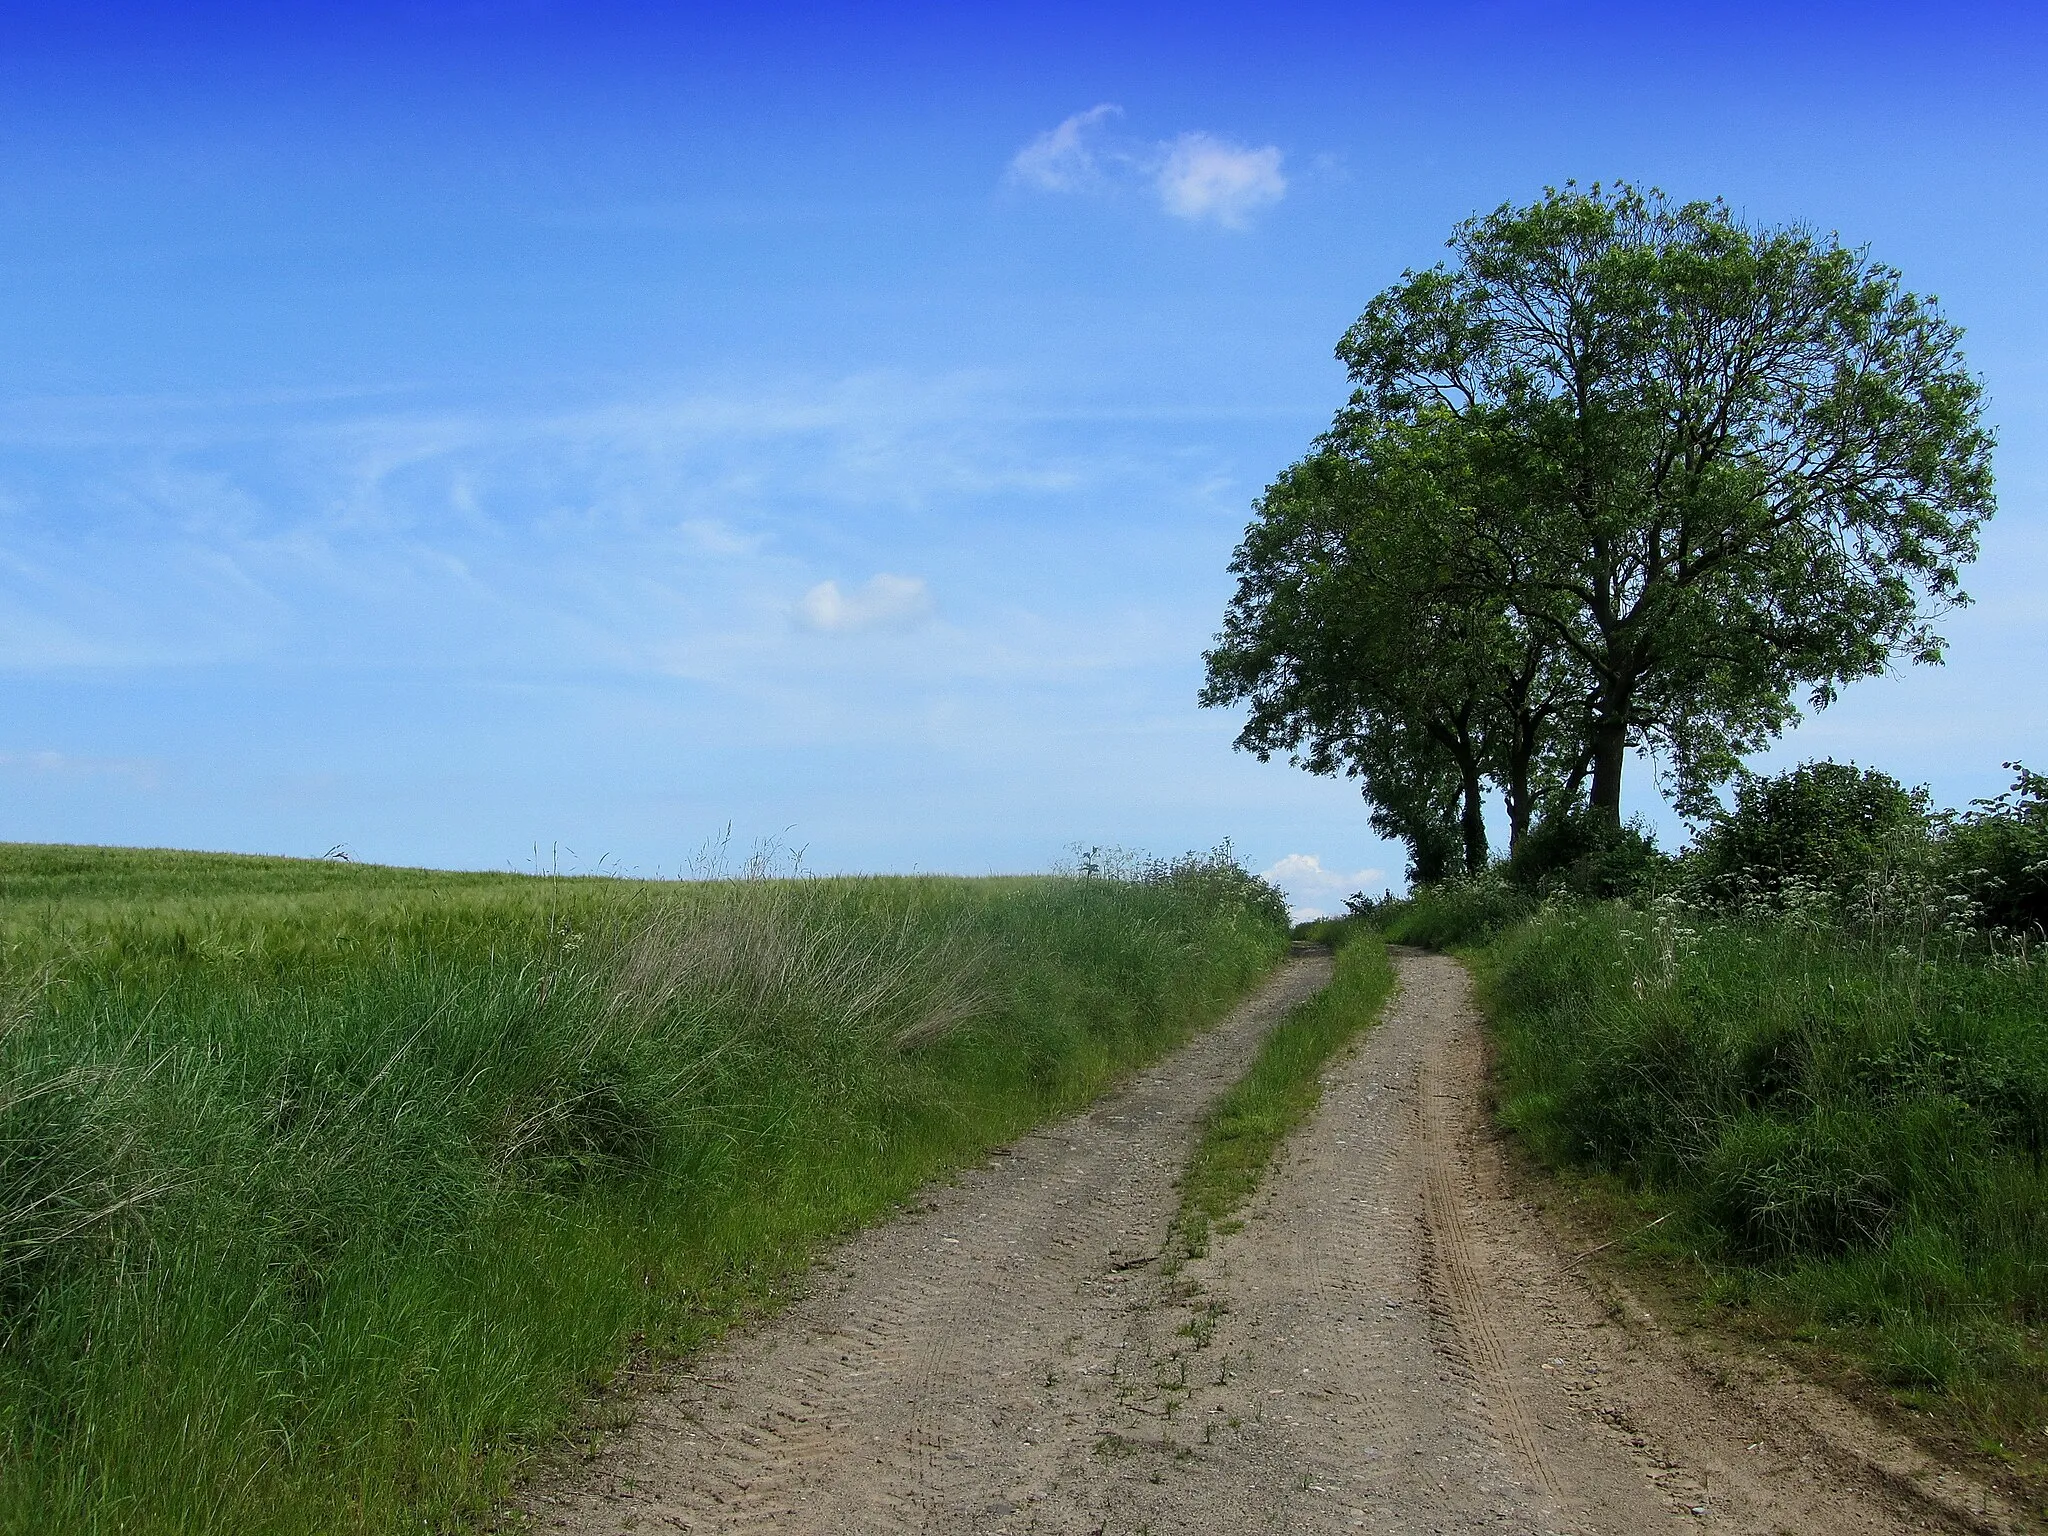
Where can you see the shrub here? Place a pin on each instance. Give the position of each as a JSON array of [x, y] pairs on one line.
[[1851, 1130], [1997, 852], [1215, 879], [1576, 853], [1467, 910], [1826, 825], [1219, 881]]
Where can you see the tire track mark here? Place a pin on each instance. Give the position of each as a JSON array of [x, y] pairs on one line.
[[1458, 1267], [922, 1392]]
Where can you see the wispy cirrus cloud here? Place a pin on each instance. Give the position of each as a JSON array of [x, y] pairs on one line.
[[1067, 158], [679, 534], [1197, 176], [143, 772]]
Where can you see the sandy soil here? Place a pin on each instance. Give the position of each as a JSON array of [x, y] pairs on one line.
[[1391, 1342]]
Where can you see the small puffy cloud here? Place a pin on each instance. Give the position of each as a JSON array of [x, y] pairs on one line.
[[1197, 176], [1064, 159], [1204, 177], [1314, 891], [882, 602]]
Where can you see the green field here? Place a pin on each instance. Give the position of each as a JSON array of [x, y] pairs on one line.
[[326, 1191]]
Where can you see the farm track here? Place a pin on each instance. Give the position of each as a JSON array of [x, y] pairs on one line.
[[1391, 1342]]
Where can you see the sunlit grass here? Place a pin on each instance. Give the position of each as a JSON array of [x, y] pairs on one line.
[[1850, 1142], [324, 1190]]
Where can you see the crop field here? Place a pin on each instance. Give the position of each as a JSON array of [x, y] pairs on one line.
[[328, 1192]]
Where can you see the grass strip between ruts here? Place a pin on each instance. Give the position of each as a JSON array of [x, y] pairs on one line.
[[1283, 1087]]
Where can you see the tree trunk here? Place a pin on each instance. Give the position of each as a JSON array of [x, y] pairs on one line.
[[1568, 797], [1610, 744], [1517, 795], [1473, 821]]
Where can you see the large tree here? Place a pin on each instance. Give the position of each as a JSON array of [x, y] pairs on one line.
[[1367, 642], [1716, 463]]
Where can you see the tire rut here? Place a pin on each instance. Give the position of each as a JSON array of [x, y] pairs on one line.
[[1390, 1342], [1456, 1278], [935, 1373]]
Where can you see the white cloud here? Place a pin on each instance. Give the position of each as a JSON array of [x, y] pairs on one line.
[[884, 602], [1064, 159], [1204, 177], [1197, 176], [1313, 891]]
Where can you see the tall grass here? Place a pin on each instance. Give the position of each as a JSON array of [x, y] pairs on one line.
[[1449, 913], [324, 1190], [1852, 1137]]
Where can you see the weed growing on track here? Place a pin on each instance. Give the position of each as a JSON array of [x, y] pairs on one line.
[[1284, 1085], [1851, 1138], [323, 1189]]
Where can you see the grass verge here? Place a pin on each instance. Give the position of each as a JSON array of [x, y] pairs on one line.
[[1846, 1145], [1284, 1085], [326, 1192]]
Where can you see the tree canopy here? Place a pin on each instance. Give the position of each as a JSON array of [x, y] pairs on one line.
[[1621, 473]]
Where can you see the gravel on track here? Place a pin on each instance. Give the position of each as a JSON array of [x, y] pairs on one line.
[[1390, 1342]]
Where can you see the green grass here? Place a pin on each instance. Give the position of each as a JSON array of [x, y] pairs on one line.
[[1851, 1143], [1454, 913], [327, 1192], [1284, 1085]]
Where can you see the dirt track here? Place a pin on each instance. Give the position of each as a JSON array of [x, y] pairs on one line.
[[1390, 1343]]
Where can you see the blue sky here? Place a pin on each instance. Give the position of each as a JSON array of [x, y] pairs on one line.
[[471, 433]]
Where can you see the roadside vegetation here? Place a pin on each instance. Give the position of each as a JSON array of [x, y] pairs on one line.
[[1816, 1045], [1624, 475], [327, 1192], [1284, 1085]]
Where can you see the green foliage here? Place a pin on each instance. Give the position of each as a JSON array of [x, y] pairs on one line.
[[324, 1190], [1860, 1134], [1997, 852], [1684, 467], [1284, 1084], [1835, 846], [1454, 912], [1827, 824], [1364, 644], [1578, 852], [1216, 879], [1435, 850], [1621, 473], [1219, 882]]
